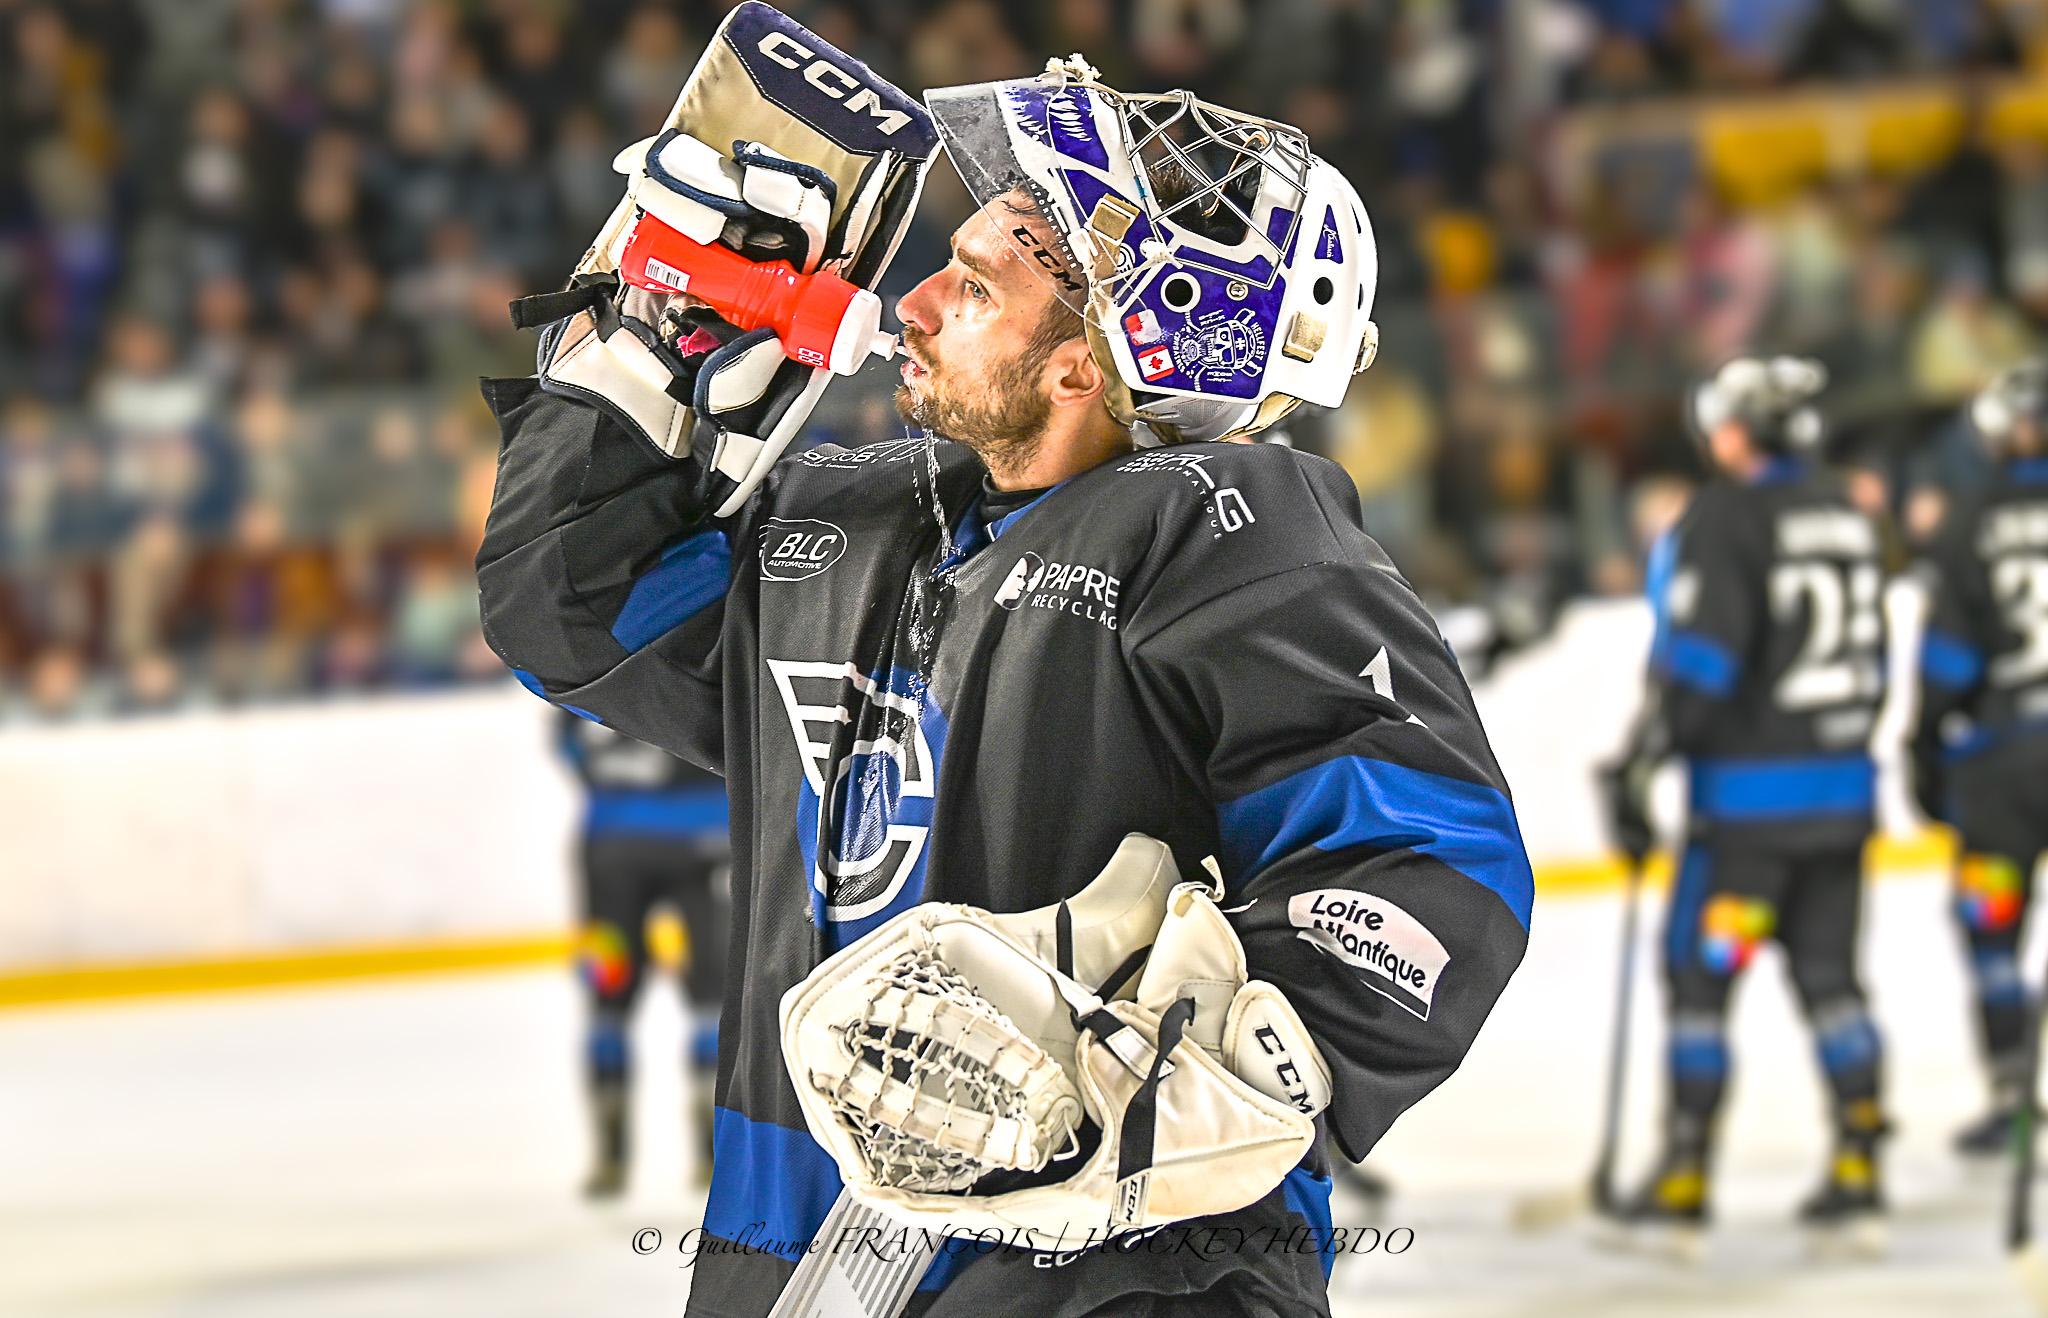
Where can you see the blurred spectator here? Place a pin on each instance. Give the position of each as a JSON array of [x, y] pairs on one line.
[[506, 198], [1727, 272], [254, 254], [646, 68], [1965, 339]]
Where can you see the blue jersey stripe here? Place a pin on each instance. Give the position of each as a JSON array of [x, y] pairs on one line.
[[1309, 1196], [1009, 519], [1657, 574], [1698, 661], [532, 683], [1688, 900], [690, 576], [1698, 1056], [1353, 801], [770, 1186], [1950, 661], [1783, 788], [691, 812]]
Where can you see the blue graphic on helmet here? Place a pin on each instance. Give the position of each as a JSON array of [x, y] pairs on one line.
[[1062, 118]]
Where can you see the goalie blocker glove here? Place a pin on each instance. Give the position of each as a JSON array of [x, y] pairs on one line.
[[768, 157]]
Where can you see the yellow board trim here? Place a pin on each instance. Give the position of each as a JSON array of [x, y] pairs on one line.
[[39, 985], [43, 985]]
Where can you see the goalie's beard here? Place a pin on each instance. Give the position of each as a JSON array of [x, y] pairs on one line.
[[1004, 426]]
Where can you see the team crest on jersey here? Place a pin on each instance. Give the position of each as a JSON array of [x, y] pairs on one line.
[[870, 748]]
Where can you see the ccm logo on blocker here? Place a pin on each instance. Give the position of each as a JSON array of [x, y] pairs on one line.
[[1376, 936], [832, 80]]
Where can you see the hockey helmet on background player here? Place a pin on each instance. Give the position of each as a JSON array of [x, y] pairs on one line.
[[2018, 395], [1771, 398], [1225, 272]]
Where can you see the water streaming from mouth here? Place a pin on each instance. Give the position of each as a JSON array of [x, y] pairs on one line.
[[924, 602]]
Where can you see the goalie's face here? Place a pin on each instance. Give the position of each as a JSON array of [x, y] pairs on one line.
[[994, 356]]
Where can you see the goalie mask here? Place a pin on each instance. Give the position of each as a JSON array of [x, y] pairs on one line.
[[1225, 271], [1771, 398]]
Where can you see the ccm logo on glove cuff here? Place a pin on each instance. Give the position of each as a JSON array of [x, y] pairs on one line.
[[1376, 936]]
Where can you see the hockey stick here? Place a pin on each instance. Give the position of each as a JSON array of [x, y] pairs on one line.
[[1597, 1194], [2029, 1261], [860, 1265]]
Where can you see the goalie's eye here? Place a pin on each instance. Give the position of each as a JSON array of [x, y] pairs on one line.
[[976, 291]]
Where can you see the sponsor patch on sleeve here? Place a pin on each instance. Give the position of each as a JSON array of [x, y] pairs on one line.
[[1398, 955], [796, 550]]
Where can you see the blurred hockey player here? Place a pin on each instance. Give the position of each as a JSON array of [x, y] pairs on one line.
[[1981, 746], [1767, 672], [653, 836], [964, 671]]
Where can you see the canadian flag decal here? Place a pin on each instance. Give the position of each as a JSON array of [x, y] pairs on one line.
[[1155, 362]]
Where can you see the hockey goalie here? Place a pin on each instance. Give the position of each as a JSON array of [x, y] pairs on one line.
[[988, 695]]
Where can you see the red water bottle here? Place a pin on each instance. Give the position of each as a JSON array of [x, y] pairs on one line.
[[821, 319]]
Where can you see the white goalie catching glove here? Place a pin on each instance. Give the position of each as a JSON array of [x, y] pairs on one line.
[[951, 1046], [779, 148]]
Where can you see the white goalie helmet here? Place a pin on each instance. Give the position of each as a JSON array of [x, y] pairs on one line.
[[1225, 271]]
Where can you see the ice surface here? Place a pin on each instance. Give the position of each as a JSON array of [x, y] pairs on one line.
[[412, 1147]]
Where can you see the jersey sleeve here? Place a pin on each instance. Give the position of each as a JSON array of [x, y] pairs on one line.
[[1372, 862], [603, 583], [1959, 615], [1707, 604]]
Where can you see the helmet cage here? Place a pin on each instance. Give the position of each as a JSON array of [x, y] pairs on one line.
[[1220, 262]]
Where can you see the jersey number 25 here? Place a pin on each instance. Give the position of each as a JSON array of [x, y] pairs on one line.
[[1840, 662]]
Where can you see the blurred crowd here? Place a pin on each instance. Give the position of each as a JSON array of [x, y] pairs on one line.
[[255, 253]]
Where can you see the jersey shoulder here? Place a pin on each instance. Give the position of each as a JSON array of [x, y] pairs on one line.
[[1720, 503], [1271, 498], [837, 460], [877, 484], [1203, 520]]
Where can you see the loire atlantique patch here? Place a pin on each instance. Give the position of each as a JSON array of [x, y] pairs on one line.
[[1378, 937]]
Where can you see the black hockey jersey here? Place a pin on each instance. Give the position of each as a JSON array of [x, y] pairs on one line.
[[1984, 654], [1768, 656], [633, 788], [910, 704]]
